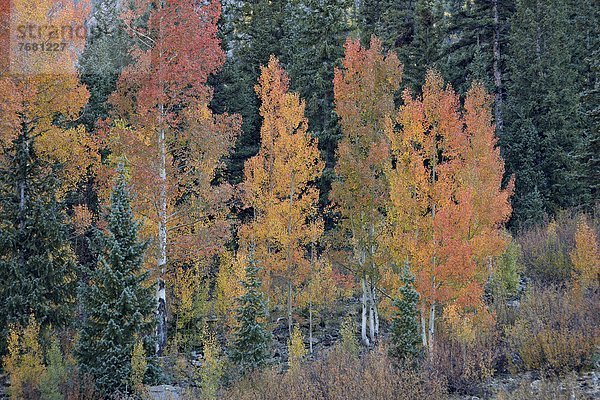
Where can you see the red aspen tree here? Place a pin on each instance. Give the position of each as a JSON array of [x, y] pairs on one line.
[[447, 204], [171, 140]]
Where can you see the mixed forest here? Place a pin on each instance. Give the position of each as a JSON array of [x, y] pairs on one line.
[[304, 199]]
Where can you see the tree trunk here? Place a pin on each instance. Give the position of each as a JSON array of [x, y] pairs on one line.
[[289, 311], [289, 255], [23, 160], [161, 294], [371, 313], [431, 328], [375, 311], [497, 72], [363, 322], [310, 327], [423, 329]]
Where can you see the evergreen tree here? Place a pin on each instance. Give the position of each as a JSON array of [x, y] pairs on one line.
[[105, 55], [116, 304], [406, 340], [542, 121], [251, 347], [37, 264], [252, 31], [414, 29], [315, 31], [586, 15], [475, 47]]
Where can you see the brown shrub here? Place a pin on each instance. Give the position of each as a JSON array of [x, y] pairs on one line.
[[555, 331], [341, 376], [466, 364], [546, 250]]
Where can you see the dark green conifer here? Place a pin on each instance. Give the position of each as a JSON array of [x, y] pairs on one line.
[[37, 264], [406, 340], [251, 347], [116, 303]]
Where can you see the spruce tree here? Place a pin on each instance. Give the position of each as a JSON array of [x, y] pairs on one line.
[[406, 340], [543, 129], [117, 306], [475, 48], [252, 31], [251, 347], [315, 31], [37, 264], [105, 54], [415, 29]]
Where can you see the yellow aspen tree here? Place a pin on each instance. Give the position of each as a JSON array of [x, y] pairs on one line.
[[42, 97], [279, 187], [585, 257], [364, 90]]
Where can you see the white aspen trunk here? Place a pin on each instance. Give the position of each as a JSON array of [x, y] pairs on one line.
[[497, 72], [161, 294], [289, 311], [21, 188], [371, 314], [289, 255], [424, 330], [431, 328], [371, 323], [375, 311], [310, 327], [363, 322]]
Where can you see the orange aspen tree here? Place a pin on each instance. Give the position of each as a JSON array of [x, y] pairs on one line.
[[364, 91], [447, 205], [42, 97], [171, 141], [279, 187], [585, 258]]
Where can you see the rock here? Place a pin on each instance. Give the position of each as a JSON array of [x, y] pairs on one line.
[[164, 392]]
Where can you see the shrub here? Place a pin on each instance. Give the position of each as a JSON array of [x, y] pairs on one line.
[[212, 368], [139, 365], [296, 349], [543, 389], [506, 277], [585, 258], [349, 341], [53, 382], [466, 350], [24, 363], [546, 251], [555, 331], [341, 376]]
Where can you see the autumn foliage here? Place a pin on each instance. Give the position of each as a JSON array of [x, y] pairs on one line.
[[279, 188], [448, 205], [364, 100]]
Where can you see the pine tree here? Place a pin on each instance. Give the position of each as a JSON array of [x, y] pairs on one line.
[[406, 339], [251, 345], [116, 303], [37, 265]]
